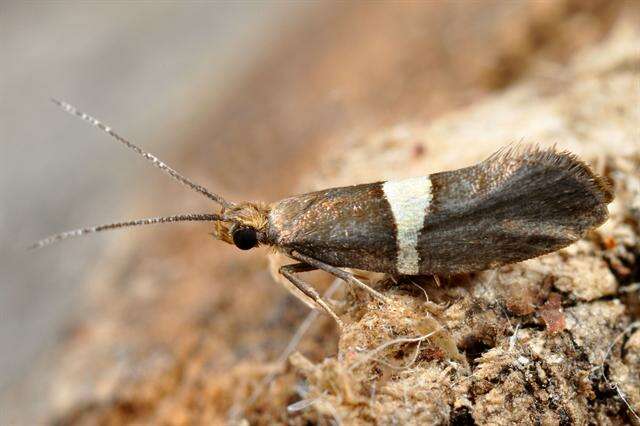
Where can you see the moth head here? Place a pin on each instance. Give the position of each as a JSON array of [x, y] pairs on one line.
[[245, 225]]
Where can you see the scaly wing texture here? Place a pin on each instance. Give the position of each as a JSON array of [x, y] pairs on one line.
[[517, 204], [351, 226]]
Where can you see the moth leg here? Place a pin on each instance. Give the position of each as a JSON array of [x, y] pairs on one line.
[[289, 271], [339, 273], [437, 280]]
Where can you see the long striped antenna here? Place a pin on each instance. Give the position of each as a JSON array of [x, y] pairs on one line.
[[138, 222], [148, 156]]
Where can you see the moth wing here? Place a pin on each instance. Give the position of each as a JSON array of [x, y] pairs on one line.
[[346, 227], [511, 207]]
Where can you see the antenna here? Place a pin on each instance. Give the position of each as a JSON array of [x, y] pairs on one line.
[[138, 222], [148, 156]]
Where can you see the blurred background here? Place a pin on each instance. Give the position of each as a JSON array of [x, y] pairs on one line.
[[240, 96], [58, 172]]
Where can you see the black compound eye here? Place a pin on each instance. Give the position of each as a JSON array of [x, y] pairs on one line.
[[245, 238]]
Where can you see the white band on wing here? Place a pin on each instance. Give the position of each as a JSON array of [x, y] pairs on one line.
[[409, 200]]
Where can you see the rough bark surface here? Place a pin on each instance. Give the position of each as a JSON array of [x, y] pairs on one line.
[[172, 336], [552, 340]]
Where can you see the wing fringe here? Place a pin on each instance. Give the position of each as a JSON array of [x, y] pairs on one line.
[[519, 154]]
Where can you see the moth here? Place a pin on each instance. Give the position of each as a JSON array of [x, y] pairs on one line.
[[517, 204]]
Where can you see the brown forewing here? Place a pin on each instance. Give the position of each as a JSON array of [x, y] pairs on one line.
[[511, 207], [514, 206], [348, 227]]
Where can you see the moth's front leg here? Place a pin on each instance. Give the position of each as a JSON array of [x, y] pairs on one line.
[[339, 273], [289, 271]]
